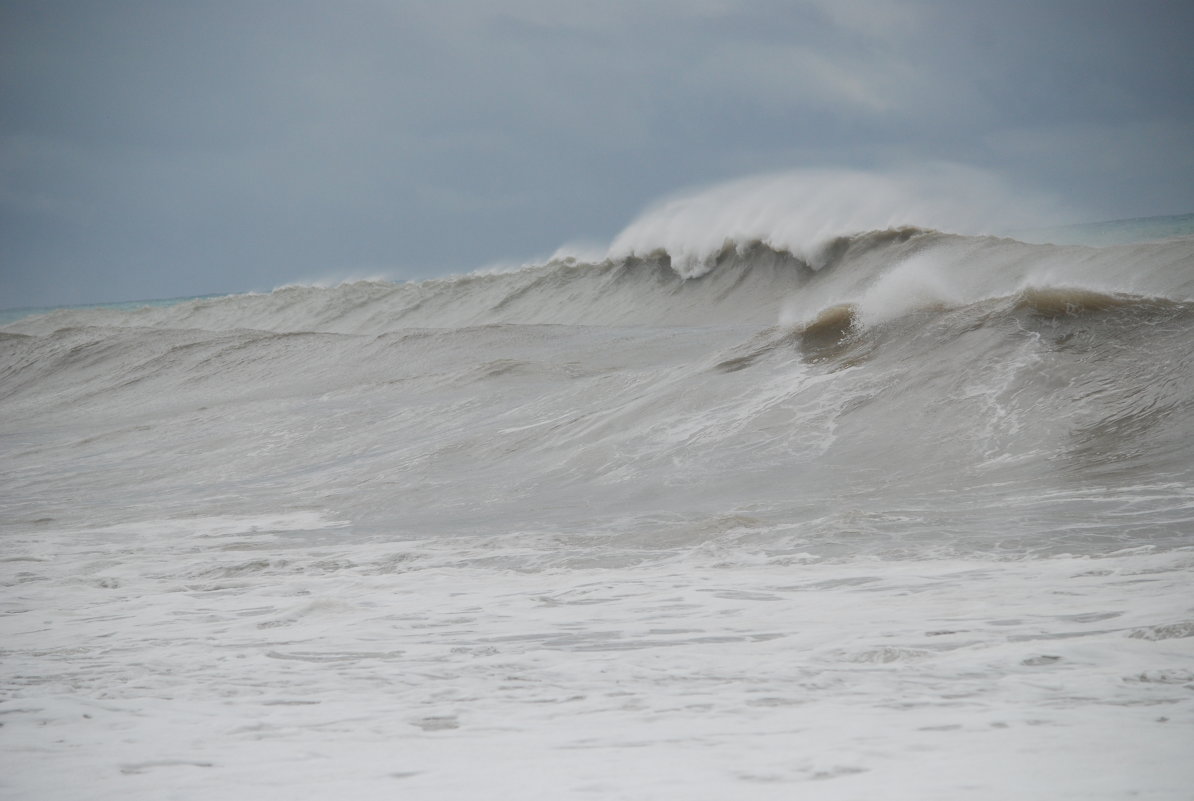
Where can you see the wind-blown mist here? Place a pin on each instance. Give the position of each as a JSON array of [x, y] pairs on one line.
[[798, 211], [780, 493]]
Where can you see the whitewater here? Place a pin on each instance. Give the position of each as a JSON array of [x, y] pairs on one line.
[[734, 508]]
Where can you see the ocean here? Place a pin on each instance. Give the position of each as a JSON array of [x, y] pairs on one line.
[[900, 514]]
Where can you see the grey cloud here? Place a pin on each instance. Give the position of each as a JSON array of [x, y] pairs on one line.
[[151, 149]]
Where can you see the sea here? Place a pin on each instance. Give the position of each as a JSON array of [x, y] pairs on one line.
[[890, 513]]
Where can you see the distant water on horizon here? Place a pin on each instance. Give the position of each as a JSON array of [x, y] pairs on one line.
[[1112, 232], [12, 315], [867, 514]]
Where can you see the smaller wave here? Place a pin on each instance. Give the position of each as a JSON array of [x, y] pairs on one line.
[[835, 335], [1069, 317], [831, 325], [834, 323], [1056, 302]]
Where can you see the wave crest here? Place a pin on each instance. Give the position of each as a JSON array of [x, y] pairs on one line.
[[801, 212], [883, 275]]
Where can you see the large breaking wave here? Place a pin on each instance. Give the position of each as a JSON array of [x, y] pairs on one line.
[[883, 273], [712, 360]]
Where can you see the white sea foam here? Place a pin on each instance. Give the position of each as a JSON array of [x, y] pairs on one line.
[[370, 668]]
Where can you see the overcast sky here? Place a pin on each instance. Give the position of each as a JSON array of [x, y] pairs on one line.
[[181, 147]]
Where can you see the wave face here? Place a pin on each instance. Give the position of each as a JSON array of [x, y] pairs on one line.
[[935, 376], [841, 515]]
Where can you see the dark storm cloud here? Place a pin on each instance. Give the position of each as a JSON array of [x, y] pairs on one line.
[[167, 148]]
